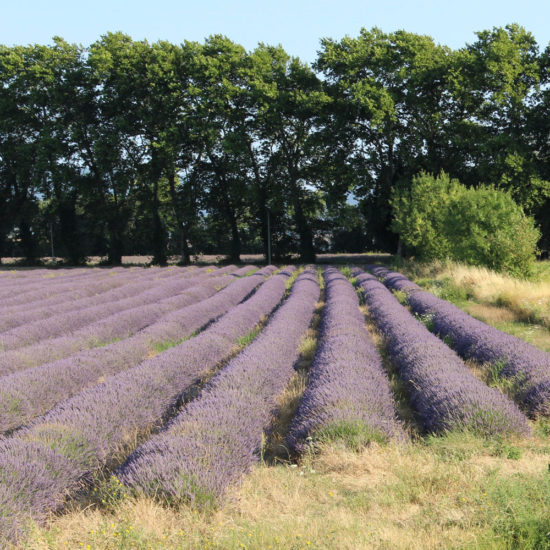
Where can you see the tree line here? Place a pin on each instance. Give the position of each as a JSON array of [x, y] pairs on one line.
[[131, 147]]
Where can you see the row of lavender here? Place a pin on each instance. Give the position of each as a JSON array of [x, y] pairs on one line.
[[347, 386], [49, 291], [443, 391], [47, 460], [123, 286], [71, 287], [27, 394], [217, 437], [527, 366], [58, 324], [119, 325]]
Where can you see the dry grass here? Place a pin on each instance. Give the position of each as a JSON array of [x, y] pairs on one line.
[[528, 300], [274, 448], [505, 320], [491, 314], [400, 393], [450, 493]]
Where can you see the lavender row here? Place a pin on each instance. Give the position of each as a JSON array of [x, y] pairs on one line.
[[112, 328], [59, 324], [72, 288], [526, 365], [36, 277], [129, 285], [446, 395], [25, 395], [49, 459], [106, 330], [217, 437], [47, 289], [347, 385]]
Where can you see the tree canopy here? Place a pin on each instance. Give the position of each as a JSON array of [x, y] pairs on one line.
[[131, 147]]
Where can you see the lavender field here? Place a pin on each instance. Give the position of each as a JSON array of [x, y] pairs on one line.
[[176, 384]]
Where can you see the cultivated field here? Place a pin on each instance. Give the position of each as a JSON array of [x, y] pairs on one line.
[[328, 406]]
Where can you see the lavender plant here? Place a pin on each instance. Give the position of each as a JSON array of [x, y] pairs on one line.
[[59, 324], [25, 395], [128, 286], [97, 282], [446, 395], [348, 390], [526, 366], [217, 438], [92, 429]]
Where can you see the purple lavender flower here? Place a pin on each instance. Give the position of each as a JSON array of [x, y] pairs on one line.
[[61, 323], [217, 438], [32, 392], [128, 285], [446, 395], [527, 366], [347, 384], [84, 433], [114, 327]]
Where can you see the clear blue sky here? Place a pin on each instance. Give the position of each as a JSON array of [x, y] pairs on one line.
[[296, 24]]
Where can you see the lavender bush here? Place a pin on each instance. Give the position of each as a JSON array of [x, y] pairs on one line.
[[114, 327], [446, 395], [84, 433], [525, 365], [347, 388], [87, 285], [32, 392], [60, 324], [128, 286], [217, 438]]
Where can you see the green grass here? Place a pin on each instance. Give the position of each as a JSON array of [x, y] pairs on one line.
[[245, 340], [353, 435], [159, 347]]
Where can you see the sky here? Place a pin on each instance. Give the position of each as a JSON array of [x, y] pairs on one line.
[[296, 24]]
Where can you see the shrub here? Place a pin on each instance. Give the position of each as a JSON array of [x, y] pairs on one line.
[[436, 217]]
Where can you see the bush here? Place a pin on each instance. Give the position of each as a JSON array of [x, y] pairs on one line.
[[437, 217]]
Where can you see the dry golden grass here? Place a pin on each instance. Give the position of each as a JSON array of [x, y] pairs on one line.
[[441, 495], [528, 300], [491, 314], [274, 448]]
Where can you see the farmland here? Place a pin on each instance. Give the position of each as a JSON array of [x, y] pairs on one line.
[[326, 406]]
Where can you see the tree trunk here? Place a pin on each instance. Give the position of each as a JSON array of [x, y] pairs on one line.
[[115, 243], [261, 200], [182, 225], [28, 243], [306, 248], [159, 233], [235, 245], [70, 235]]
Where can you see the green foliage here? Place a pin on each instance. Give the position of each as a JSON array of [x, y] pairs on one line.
[[109, 493], [159, 347], [353, 435], [488, 228], [515, 525], [245, 340], [437, 218], [420, 214], [131, 147]]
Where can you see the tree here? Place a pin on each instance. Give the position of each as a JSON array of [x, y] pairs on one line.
[[437, 217]]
